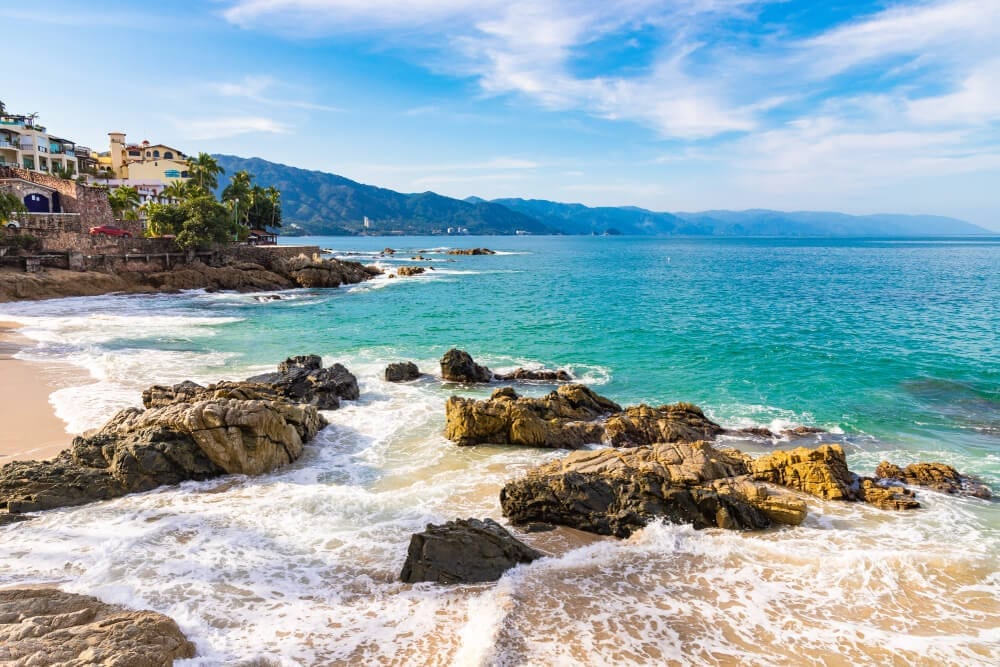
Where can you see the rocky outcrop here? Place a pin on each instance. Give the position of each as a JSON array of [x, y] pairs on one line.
[[402, 371], [471, 251], [619, 491], [187, 432], [464, 551], [458, 366], [316, 272], [405, 271], [542, 375], [936, 476], [45, 626], [562, 419], [823, 472], [644, 425], [276, 274]]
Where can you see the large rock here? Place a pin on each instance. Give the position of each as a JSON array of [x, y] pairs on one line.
[[405, 271], [304, 380], [402, 371], [542, 375], [317, 272], [619, 491], [644, 425], [823, 472], [458, 366], [46, 626], [139, 450], [562, 419], [937, 476], [464, 551]]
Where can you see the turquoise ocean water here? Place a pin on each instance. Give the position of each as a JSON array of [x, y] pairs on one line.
[[893, 346]]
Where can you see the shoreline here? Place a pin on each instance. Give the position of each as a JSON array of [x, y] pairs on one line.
[[31, 429]]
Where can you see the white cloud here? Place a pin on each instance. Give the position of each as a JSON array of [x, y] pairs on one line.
[[224, 127], [255, 89]]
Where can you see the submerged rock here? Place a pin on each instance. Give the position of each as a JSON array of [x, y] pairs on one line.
[[562, 419], [402, 371], [542, 375], [619, 491], [936, 476], [45, 626], [644, 425], [464, 551], [458, 366]]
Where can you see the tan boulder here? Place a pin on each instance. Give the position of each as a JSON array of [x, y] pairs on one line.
[[644, 425], [50, 627], [937, 476], [821, 472]]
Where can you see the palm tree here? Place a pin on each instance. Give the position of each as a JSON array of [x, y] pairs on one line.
[[3, 108], [124, 201], [274, 196], [176, 191], [205, 170]]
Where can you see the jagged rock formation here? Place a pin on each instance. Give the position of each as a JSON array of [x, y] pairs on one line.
[[542, 375], [404, 271], [823, 472], [316, 272], [471, 251], [464, 551], [618, 491], [644, 425], [45, 626], [562, 419], [402, 371], [458, 366], [936, 476], [187, 432]]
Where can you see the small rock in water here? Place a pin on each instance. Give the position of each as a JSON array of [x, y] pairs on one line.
[[542, 375], [458, 366], [937, 476], [464, 551], [402, 371]]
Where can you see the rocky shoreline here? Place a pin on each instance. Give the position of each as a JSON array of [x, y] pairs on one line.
[[634, 466], [267, 274]]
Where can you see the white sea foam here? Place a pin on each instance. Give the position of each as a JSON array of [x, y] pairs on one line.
[[300, 566]]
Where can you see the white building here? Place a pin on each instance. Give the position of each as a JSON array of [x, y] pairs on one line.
[[26, 144]]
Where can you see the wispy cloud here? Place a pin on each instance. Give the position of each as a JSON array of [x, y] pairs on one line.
[[257, 89], [225, 127]]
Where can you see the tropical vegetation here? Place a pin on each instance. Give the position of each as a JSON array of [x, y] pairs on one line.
[[10, 204]]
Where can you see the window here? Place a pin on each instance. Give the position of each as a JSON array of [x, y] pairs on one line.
[[147, 153], [172, 173], [156, 154], [134, 154], [167, 155], [184, 174]]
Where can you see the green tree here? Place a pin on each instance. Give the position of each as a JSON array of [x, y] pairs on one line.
[[204, 170], [176, 191], [239, 195], [124, 202], [10, 204], [206, 221], [164, 219], [265, 208]]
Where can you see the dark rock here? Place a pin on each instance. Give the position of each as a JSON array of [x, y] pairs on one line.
[[317, 272], [471, 251], [937, 476], [304, 380], [801, 431], [543, 375], [619, 491], [45, 626], [562, 419], [388, 251], [458, 366], [403, 371], [538, 527], [644, 425], [464, 551]]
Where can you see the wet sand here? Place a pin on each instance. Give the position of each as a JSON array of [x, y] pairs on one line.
[[29, 428]]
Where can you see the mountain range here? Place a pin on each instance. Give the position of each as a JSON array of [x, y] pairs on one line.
[[316, 202]]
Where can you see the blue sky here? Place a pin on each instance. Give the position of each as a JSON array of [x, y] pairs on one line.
[[860, 107]]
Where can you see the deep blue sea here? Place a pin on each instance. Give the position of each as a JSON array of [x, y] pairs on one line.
[[890, 345]]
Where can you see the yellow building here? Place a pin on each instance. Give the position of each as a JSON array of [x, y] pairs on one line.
[[145, 161]]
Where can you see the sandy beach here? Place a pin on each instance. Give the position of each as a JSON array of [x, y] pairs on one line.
[[30, 428]]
